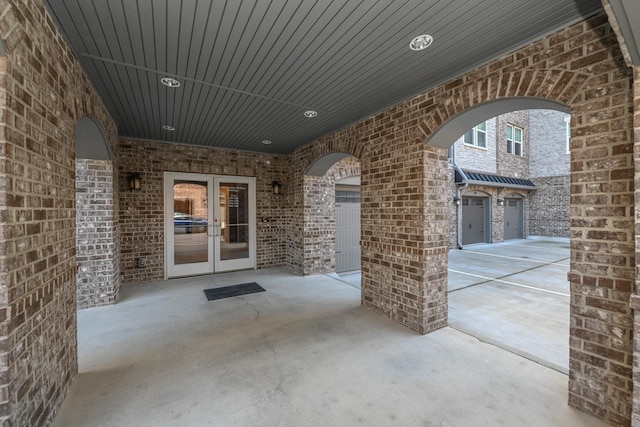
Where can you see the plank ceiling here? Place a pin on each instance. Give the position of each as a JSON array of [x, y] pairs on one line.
[[250, 68]]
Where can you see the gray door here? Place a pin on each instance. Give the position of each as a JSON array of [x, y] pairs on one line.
[[474, 219], [513, 219], [347, 231]]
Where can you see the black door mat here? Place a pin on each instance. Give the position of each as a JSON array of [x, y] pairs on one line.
[[233, 291]]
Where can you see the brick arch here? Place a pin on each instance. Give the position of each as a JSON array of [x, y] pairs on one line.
[[91, 140], [317, 158], [460, 108], [347, 167]]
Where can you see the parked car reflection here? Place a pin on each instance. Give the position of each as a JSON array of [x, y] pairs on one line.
[[183, 223]]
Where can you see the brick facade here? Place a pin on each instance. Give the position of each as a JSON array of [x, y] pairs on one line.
[[635, 298], [548, 134], [403, 269], [476, 158], [142, 212], [97, 248], [44, 93], [549, 207], [512, 164]]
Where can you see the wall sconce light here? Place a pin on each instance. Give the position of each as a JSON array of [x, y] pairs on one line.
[[277, 187], [134, 181], [456, 200], [500, 202]]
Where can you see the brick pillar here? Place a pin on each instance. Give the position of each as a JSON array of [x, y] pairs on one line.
[[602, 271], [635, 299], [405, 233], [319, 225], [97, 253]]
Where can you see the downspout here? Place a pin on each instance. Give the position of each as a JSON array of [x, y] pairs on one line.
[[458, 197]]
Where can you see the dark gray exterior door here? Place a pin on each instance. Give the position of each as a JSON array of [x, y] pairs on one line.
[[513, 219], [474, 219]]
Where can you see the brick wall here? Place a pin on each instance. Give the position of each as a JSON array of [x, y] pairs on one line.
[[635, 298], [549, 170], [142, 212], [320, 216], [403, 272], [511, 164], [43, 92], [548, 155], [478, 159], [549, 207], [97, 248]]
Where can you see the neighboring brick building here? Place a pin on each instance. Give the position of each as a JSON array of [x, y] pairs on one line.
[[511, 178]]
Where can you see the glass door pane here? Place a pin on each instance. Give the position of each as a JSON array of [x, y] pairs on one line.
[[188, 219], [190, 222], [234, 216], [235, 242]]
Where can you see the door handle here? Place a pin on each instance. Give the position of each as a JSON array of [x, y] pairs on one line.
[[209, 230]]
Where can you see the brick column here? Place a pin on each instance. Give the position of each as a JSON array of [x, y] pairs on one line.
[[602, 271], [405, 233], [97, 254], [635, 299]]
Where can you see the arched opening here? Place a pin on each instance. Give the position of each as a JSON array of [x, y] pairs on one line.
[[322, 164], [97, 253], [330, 207], [507, 277]]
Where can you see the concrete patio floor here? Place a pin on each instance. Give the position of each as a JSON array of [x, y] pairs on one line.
[[303, 353]]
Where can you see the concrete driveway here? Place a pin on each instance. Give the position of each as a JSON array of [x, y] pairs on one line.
[[514, 295]]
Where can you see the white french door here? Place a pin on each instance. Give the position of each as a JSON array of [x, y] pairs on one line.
[[210, 223]]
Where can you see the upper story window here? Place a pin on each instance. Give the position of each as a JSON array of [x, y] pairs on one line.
[[514, 140], [567, 133], [477, 136]]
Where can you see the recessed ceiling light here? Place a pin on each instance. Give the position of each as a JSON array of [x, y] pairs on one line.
[[266, 141], [168, 127], [170, 82], [421, 42], [310, 114]]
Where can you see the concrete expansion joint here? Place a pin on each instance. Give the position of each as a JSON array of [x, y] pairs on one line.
[[513, 350], [501, 278]]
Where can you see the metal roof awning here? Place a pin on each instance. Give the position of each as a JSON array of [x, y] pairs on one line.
[[494, 180]]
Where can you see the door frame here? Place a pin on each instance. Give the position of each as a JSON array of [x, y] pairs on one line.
[[213, 264]]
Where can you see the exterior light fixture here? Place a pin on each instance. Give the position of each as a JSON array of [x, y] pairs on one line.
[[277, 187], [135, 182], [421, 42], [266, 141], [170, 82], [168, 128], [456, 200], [500, 202], [310, 114]]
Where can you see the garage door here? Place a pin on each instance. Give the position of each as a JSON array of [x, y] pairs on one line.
[[513, 219], [474, 219], [347, 231]]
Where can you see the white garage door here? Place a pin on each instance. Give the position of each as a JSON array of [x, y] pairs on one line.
[[347, 231]]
